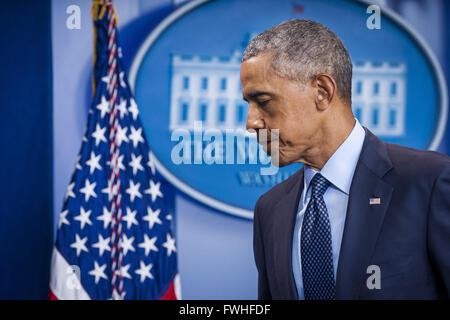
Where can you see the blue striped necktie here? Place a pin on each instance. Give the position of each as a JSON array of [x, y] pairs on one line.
[[315, 245]]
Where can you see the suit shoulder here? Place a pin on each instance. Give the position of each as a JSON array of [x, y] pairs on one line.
[[412, 161], [276, 192]]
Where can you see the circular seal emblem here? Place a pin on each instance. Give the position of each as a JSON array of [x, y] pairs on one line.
[[186, 81]]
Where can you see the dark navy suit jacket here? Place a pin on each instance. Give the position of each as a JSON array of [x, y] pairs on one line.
[[407, 235]]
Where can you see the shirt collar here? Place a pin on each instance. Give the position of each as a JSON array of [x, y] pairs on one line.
[[339, 169]]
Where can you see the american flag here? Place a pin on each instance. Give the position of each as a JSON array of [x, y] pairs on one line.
[[114, 238]]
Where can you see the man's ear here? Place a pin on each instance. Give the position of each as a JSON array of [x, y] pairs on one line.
[[326, 89]]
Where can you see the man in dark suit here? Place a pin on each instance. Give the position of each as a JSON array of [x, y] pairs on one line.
[[362, 219]]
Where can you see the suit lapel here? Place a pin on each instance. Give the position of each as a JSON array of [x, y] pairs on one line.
[[285, 212], [363, 221]]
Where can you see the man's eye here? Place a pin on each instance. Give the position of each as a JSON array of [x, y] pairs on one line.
[[263, 102]]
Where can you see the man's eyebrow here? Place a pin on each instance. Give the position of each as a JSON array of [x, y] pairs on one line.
[[254, 94]]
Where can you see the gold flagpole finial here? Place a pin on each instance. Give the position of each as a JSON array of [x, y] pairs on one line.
[[98, 10]]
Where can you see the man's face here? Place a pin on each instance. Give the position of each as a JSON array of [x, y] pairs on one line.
[[279, 103]]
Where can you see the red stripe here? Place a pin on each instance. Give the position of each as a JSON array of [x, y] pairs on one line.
[[170, 294], [51, 296]]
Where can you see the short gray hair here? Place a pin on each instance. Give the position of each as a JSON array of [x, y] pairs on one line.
[[302, 49]]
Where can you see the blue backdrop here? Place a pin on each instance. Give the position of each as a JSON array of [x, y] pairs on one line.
[[26, 208], [45, 95]]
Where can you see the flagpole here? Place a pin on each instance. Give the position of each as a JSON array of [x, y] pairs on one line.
[[129, 270], [114, 180]]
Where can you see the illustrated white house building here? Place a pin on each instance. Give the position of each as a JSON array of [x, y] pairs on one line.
[[379, 97], [208, 89]]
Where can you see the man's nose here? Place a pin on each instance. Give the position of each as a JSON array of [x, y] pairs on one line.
[[254, 119]]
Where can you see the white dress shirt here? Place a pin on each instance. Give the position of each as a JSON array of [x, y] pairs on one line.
[[339, 170]]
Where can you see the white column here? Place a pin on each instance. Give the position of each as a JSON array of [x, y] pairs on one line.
[[194, 89], [174, 100], [366, 98], [211, 114], [383, 113]]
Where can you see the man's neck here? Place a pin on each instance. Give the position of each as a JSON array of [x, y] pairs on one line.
[[331, 137]]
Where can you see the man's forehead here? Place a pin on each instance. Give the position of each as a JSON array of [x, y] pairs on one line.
[[261, 61], [256, 81], [256, 69]]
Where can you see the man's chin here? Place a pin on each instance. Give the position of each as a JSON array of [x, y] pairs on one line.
[[281, 162]]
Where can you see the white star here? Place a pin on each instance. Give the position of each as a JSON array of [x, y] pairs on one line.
[[122, 108], [136, 163], [84, 217], [133, 109], [79, 244], [124, 271], [117, 296], [86, 131], [144, 271], [108, 190], [106, 79], [102, 244], [152, 217], [121, 135], [148, 244], [103, 107], [62, 218], [130, 218], [99, 134], [106, 217], [151, 162], [88, 190], [133, 190], [169, 245], [126, 244], [169, 217], [119, 163], [98, 272], [136, 136], [78, 166], [154, 190], [93, 162], [122, 82], [69, 192]]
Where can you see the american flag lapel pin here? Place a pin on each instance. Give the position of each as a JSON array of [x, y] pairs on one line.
[[374, 200]]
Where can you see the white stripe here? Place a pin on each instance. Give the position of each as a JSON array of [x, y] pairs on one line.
[[177, 286], [63, 283]]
